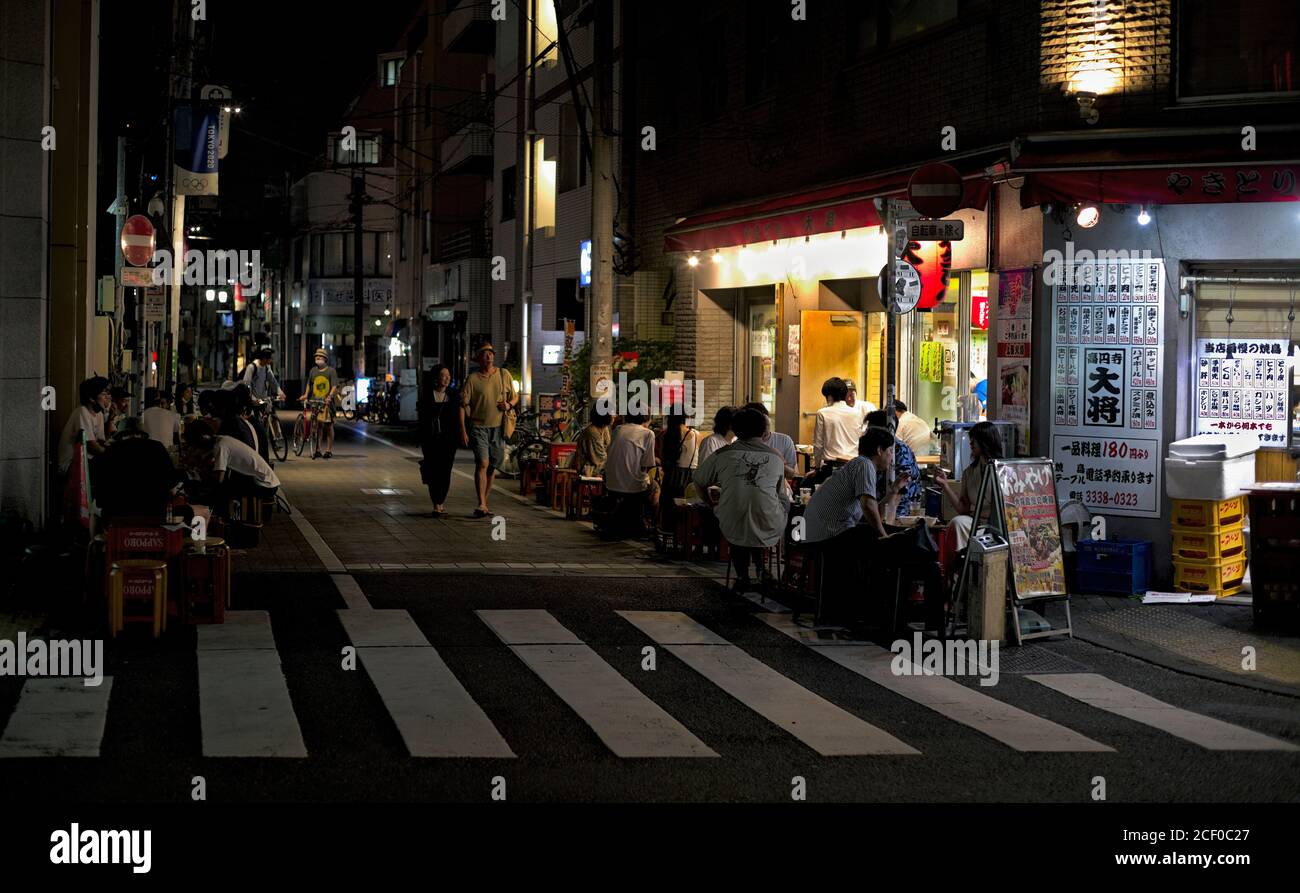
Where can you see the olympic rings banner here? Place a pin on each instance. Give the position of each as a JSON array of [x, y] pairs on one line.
[[197, 150]]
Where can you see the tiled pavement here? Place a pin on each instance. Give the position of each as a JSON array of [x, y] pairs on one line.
[[368, 505]]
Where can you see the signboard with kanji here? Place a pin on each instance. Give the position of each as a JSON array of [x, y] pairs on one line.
[[1242, 387], [1107, 406]]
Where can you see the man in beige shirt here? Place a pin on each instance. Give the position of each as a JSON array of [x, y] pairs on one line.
[[487, 394]]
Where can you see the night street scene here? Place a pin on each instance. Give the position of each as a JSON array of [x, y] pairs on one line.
[[837, 434]]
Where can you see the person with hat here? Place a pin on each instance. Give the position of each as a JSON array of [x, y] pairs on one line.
[[863, 407], [323, 384], [88, 417], [484, 400]]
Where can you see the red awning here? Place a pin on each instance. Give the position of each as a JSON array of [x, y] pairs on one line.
[[1164, 170], [847, 205]]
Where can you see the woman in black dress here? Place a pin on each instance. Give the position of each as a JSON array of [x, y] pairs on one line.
[[439, 411]]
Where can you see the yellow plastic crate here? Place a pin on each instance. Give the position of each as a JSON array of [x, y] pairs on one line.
[[1204, 545], [1208, 514], [1223, 578]]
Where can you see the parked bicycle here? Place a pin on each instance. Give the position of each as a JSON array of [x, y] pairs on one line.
[[307, 429], [279, 444]]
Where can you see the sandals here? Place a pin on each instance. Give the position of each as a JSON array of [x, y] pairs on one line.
[[329, 454], [479, 513]]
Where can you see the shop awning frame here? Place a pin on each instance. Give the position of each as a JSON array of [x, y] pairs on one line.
[[848, 204]]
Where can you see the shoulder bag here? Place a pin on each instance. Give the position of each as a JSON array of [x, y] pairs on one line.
[[508, 415]]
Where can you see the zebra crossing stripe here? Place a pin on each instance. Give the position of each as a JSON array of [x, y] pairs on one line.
[[433, 712], [826, 728], [244, 704], [629, 723], [1106, 694], [1002, 722], [57, 717]]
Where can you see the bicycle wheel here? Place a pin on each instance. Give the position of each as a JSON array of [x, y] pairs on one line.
[[279, 445], [299, 435]]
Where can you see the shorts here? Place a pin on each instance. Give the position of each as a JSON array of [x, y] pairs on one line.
[[488, 445], [325, 412]]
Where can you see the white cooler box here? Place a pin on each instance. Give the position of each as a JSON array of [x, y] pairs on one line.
[[1210, 466]]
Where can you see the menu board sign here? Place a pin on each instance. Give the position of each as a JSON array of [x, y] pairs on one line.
[[1015, 322], [1028, 494], [1246, 393], [1107, 353]]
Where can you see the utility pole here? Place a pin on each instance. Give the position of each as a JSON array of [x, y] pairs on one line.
[[524, 157], [602, 197], [358, 208]]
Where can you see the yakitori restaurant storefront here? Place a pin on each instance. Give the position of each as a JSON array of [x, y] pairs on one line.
[[1170, 278], [784, 295]]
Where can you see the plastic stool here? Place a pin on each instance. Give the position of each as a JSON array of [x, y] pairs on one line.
[[136, 579]]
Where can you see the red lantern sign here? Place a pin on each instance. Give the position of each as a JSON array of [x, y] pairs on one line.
[[933, 260]]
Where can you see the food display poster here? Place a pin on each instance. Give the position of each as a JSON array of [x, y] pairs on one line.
[[1244, 394], [1015, 323], [1028, 491], [1107, 356]]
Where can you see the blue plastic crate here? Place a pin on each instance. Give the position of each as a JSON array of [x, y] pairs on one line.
[[1114, 566]]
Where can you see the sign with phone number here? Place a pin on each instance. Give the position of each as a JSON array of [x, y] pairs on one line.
[[1119, 475]]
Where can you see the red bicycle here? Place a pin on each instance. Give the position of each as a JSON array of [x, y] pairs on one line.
[[307, 429]]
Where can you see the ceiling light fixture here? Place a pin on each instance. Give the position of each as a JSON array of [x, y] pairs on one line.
[[1088, 216], [1144, 216]]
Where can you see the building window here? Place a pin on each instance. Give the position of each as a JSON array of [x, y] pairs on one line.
[[573, 156], [876, 24], [390, 70], [567, 305], [332, 254], [366, 152], [508, 186], [1233, 47], [711, 52]]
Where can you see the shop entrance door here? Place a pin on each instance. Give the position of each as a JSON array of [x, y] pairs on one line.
[[830, 344]]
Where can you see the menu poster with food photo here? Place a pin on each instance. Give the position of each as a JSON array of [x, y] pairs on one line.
[[1028, 491]]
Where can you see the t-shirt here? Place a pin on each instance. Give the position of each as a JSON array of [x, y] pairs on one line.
[[836, 506], [321, 381], [755, 499], [783, 444], [82, 419], [162, 425], [481, 395], [689, 456], [971, 479], [231, 455], [631, 454], [914, 432], [593, 449]]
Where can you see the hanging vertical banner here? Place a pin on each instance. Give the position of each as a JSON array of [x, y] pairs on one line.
[[197, 158], [1015, 323], [1107, 405]]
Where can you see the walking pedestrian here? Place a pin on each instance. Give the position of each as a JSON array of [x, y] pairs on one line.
[[439, 414], [487, 396]]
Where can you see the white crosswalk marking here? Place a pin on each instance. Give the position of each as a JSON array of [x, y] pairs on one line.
[[57, 717], [1106, 694], [827, 729], [434, 714], [1012, 726], [629, 723], [244, 704]]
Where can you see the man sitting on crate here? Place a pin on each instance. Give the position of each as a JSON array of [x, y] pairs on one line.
[[238, 469]]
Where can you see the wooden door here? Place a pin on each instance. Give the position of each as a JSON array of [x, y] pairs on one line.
[[830, 344]]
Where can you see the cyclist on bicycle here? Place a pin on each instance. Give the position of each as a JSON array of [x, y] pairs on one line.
[[322, 384], [261, 381]]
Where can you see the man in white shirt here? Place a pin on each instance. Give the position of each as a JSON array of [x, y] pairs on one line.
[[88, 417], [236, 465], [160, 423], [631, 456], [864, 407], [912, 429], [837, 428]]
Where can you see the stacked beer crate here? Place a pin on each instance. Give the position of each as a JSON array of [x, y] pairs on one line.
[[1207, 476]]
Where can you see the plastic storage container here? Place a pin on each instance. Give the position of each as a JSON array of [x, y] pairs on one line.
[[1208, 515], [1223, 577], [1210, 466], [1201, 545], [1116, 566]]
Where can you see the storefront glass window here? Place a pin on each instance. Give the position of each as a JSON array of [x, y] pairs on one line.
[[762, 354], [938, 352]]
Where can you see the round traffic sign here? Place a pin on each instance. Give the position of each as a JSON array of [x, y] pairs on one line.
[[901, 291], [137, 240], [935, 189]]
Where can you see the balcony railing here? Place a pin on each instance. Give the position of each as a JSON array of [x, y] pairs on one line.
[[469, 151], [469, 27]]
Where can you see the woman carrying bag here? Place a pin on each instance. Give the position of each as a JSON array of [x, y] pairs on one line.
[[439, 414]]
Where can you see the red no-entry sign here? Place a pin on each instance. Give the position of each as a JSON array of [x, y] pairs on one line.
[[935, 189], [137, 240]]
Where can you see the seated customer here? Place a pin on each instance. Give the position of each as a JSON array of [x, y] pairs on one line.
[[631, 456], [593, 445], [721, 435], [755, 499], [985, 448], [783, 444], [238, 469], [904, 464], [134, 477]]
